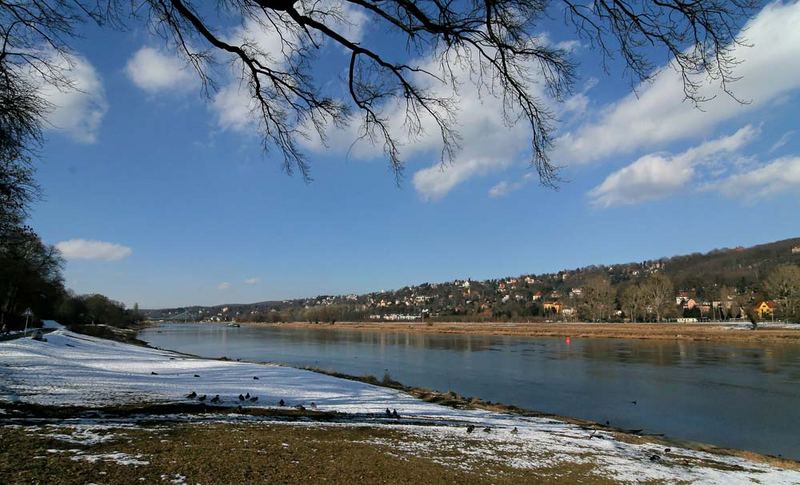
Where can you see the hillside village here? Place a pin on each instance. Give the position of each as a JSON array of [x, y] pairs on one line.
[[722, 284]]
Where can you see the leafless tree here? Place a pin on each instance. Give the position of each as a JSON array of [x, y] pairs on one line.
[[499, 42], [598, 298], [632, 300], [658, 293], [783, 285]]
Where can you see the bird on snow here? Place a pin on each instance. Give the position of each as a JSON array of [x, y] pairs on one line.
[[216, 399], [515, 430], [197, 375], [247, 396], [191, 395], [633, 402], [281, 403], [388, 413], [470, 428], [487, 430], [241, 398], [202, 398], [255, 377], [394, 414], [313, 405], [154, 373], [254, 399], [300, 407]]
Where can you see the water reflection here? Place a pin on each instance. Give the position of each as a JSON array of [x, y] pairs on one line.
[[738, 395]]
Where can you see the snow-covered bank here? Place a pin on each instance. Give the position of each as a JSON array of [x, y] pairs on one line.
[[73, 369]]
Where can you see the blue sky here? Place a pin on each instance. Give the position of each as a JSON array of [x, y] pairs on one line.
[[160, 196]]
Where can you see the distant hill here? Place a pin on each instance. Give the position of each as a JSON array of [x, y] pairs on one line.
[[699, 274]]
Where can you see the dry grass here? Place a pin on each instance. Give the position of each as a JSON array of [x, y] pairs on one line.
[[662, 331], [256, 453]]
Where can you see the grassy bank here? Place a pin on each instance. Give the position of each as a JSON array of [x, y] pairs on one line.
[[660, 331], [257, 453]]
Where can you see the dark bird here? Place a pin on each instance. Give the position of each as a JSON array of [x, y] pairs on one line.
[[197, 375], [667, 450], [487, 430], [388, 413], [216, 399], [515, 430], [154, 373], [608, 423], [281, 403], [394, 414], [254, 399], [255, 377], [247, 396], [633, 402], [202, 398], [300, 407], [191, 395], [241, 398], [313, 405], [655, 458], [470, 428]]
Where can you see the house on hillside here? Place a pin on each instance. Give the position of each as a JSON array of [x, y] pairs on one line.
[[765, 309], [796, 250], [553, 306], [682, 297], [537, 296]]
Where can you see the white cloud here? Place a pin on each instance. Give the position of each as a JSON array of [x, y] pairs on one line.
[[436, 181], [252, 281], [776, 177], [234, 108], [505, 187], [88, 249], [223, 286], [769, 70], [79, 108], [153, 71], [783, 140], [658, 175], [488, 144]]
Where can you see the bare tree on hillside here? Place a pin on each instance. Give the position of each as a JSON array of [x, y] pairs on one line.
[[658, 293], [783, 285]]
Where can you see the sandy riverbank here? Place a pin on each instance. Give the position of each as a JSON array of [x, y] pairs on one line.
[[668, 331]]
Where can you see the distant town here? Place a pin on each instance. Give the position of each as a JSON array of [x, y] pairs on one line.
[[757, 283]]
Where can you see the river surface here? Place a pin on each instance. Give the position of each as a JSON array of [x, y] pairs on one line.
[[738, 395]]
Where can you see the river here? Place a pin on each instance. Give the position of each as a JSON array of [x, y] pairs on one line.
[[738, 395]]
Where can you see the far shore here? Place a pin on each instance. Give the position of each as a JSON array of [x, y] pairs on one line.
[[647, 331]]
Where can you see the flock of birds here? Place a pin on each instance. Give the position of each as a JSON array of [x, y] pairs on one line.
[[388, 413]]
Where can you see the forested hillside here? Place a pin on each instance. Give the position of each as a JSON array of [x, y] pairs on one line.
[[723, 283]]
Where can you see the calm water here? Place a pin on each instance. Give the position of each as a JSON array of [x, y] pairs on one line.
[[736, 395]]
